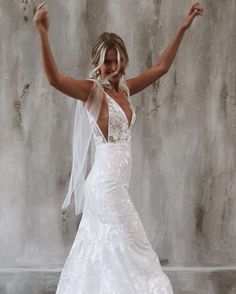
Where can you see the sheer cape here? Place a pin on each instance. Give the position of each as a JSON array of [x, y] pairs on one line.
[[86, 116]]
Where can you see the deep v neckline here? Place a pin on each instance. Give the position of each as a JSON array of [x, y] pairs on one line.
[[122, 110]]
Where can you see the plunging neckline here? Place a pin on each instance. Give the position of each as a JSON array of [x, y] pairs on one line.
[[122, 110]]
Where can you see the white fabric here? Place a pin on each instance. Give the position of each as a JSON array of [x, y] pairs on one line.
[[85, 121], [85, 117], [111, 253]]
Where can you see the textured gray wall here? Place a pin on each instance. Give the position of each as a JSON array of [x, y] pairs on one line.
[[184, 140]]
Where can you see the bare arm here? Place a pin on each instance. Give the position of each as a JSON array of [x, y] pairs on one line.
[[159, 69], [78, 89], [167, 57]]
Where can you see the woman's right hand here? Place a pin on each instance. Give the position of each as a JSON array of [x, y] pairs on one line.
[[194, 11], [41, 18]]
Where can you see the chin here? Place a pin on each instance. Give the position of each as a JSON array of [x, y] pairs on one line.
[[116, 78]]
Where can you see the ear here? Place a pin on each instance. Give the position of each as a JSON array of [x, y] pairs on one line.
[[126, 63], [98, 72]]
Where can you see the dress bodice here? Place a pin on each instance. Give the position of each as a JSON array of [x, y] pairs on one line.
[[118, 125]]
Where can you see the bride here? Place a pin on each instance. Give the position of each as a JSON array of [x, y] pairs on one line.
[[111, 253]]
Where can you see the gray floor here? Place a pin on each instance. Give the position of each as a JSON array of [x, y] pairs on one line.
[[184, 281]]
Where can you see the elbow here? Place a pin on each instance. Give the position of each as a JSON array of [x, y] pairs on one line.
[[54, 82], [164, 70]]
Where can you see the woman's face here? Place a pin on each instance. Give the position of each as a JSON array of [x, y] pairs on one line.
[[110, 65]]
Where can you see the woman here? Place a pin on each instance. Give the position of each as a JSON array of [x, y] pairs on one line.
[[111, 252]]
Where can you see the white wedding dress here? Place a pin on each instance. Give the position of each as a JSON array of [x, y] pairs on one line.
[[111, 253]]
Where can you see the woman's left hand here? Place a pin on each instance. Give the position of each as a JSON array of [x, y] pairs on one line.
[[194, 10]]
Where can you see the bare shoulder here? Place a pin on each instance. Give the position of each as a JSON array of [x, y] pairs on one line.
[[77, 89]]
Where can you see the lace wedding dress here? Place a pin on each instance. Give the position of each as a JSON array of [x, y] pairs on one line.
[[111, 253]]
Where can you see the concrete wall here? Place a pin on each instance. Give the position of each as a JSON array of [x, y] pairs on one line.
[[184, 140]]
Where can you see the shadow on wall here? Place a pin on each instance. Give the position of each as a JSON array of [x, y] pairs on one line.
[[223, 282], [29, 282], [27, 8]]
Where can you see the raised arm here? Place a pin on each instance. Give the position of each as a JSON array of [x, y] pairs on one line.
[[78, 89], [167, 57]]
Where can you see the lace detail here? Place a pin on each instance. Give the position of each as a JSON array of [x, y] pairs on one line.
[[111, 253], [118, 125]]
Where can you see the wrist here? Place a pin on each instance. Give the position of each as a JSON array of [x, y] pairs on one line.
[[42, 33], [183, 28]]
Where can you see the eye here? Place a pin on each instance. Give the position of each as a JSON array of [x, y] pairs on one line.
[[107, 61]]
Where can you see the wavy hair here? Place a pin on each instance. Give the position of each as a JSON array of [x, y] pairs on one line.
[[105, 42]]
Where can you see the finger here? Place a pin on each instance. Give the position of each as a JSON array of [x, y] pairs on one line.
[[44, 8], [199, 7], [196, 4], [40, 5], [193, 7], [42, 13], [196, 12], [200, 10], [40, 16]]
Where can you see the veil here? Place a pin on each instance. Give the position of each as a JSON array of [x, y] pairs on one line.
[[86, 116], [85, 120]]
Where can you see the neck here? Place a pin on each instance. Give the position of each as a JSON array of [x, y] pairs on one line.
[[115, 86]]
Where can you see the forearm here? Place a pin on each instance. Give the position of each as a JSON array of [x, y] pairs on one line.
[[49, 63], [168, 56]]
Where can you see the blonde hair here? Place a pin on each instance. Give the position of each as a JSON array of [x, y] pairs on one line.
[[99, 48]]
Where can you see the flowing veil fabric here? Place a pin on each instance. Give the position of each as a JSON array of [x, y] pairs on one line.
[[85, 119]]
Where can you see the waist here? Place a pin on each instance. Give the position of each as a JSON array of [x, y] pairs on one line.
[[121, 151], [113, 158]]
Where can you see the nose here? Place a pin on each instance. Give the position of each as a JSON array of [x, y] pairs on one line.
[[113, 66]]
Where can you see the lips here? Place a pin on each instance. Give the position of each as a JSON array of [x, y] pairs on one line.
[[119, 73]]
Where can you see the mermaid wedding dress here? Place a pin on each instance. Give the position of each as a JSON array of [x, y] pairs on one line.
[[111, 253]]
